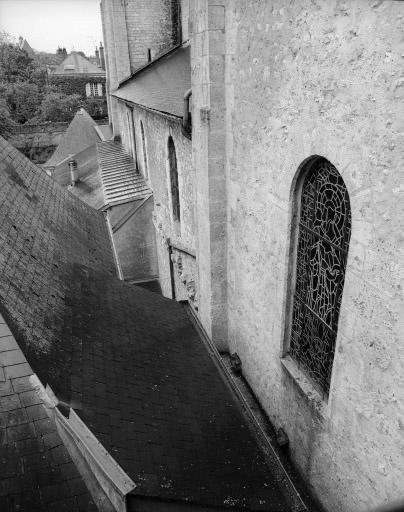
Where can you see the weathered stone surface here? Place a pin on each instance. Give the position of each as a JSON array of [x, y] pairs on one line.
[[321, 78], [157, 129]]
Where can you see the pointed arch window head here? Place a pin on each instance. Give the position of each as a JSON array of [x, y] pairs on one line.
[[324, 230], [175, 191]]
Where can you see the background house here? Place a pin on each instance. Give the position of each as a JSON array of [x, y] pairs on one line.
[[77, 75]]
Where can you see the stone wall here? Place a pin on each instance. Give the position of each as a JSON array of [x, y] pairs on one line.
[[321, 78], [117, 60], [209, 145], [37, 142], [157, 129], [149, 26]]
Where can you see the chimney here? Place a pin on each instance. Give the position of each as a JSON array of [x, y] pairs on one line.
[[102, 57], [97, 57], [73, 172]]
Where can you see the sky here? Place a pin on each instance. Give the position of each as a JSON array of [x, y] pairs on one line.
[[47, 24]]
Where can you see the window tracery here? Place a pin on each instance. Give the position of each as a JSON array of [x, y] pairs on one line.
[[322, 248]]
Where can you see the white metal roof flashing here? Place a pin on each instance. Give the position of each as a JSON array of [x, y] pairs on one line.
[[120, 181]]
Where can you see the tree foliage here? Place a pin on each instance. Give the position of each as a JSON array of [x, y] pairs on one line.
[[6, 121], [26, 96], [22, 99], [15, 64], [57, 106]]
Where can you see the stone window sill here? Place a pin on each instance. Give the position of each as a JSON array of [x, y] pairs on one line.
[[315, 400]]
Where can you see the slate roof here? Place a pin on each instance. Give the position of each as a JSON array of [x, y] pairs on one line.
[[120, 181], [127, 360], [89, 185], [45, 235], [36, 471], [78, 65], [80, 135], [161, 85]]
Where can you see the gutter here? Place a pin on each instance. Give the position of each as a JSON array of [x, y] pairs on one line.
[[172, 117], [114, 251], [150, 64]]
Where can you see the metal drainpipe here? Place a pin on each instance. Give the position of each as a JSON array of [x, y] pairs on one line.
[[172, 278], [185, 116]]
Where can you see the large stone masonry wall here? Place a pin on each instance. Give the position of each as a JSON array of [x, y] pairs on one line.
[[157, 129], [321, 78], [117, 58], [149, 26], [208, 23]]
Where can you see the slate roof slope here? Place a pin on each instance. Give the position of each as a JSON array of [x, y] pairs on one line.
[[162, 84], [46, 236], [36, 471], [145, 385], [127, 360], [89, 185], [80, 135], [120, 181], [80, 65]]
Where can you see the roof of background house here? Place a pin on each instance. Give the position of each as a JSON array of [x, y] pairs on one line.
[[128, 361], [75, 64], [80, 134], [24, 45], [89, 185], [160, 85]]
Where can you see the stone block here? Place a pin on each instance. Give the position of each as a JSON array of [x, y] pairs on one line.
[[12, 357], [4, 330], [18, 370], [8, 343], [216, 17]]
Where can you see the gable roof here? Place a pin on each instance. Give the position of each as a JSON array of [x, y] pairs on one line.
[[121, 182], [160, 85], [75, 64], [89, 185], [128, 361], [24, 45], [80, 135]]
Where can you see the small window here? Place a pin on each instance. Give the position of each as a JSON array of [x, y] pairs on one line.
[[175, 191], [93, 89], [145, 167], [324, 230]]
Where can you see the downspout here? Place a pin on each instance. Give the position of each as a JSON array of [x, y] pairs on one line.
[[186, 118], [172, 278]]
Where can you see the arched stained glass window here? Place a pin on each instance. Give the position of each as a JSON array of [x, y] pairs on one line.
[[175, 191], [322, 248]]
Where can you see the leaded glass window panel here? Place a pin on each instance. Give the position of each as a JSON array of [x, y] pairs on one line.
[[322, 248]]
